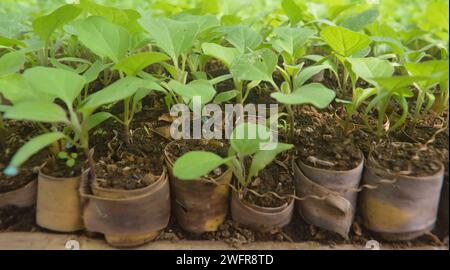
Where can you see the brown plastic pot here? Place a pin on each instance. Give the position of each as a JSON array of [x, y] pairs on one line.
[[22, 197], [127, 218], [58, 205], [444, 210], [260, 218], [338, 188], [401, 211], [199, 205]]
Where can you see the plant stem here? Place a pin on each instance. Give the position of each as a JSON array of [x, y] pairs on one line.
[[419, 103], [292, 122], [239, 88], [126, 120]]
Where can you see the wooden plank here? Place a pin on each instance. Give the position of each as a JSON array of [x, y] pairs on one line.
[[47, 241]]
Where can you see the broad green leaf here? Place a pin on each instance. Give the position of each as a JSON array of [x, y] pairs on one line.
[[343, 41], [210, 6], [264, 157], [438, 15], [123, 17], [9, 42], [173, 37], [15, 88], [371, 67], [436, 70], [224, 54], [358, 22], [307, 73], [143, 92], [103, 38], [59, 83], [242, 37], [44, 26], [196, 164], [205, 23], [37, 111], [249, 138], [94, 70], [292, 10], [133, 64], [255, 66], [291, 40], [398, 82], [117, 91], [315, 94], [198, 88], [225, 96], [97, 118], [11, 62], [33, 146]]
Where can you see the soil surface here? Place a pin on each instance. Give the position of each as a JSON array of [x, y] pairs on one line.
[[406, 159], [56, 167], [274, 178], [321, 141]]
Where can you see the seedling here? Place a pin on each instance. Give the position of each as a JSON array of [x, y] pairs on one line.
[[69, 158]]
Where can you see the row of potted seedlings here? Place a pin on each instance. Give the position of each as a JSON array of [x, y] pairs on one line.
[[109, 169]]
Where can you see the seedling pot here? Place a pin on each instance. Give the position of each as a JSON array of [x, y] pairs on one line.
[[58, 205], [335, 210], [404, 210], [127, 218], [443, 220], [22, 197], [260, 218], [199, 205]]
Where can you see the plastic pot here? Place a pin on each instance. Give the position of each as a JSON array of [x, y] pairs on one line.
[[443, 221], [199, 205], [401, 211], [127, 218], [58, 205], [338, 188], [21, 197], [260, 218]]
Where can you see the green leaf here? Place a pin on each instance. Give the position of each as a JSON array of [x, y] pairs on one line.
[[358, 22], [307, 73], [225, 96], [103, 37], [97, 118], [292, 10], [15, 89], [133, 64], [292, 40], [59, 83], [91, 74], [199, 88], [117, 91], [264, 157], [398, 82], [242, 37], [44, 26], [248, 138], [11, 63], [315, 94], [255, 66], [371, 67], [37, 111], [63, 155], [344, 41], [33, 146], [173, 37], [70, 163], [196, 164], [438, 15], [224, 54], [436, 70]]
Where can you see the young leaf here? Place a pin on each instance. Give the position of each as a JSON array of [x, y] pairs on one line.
[[97, 118], [44, 26], [436, 70], [315, 94], [398, 82], [264, 157], [199, 88], [94, 70], [224, 54], [33, 146], [242, 37], [173, 37], [225, 96], [344, 41], [307, 73], [11, 63], [15, 89], [291, 40], [358, 22], [196, 164], [117, 91], [133, 64], [248, 138], [371, 67], [292, 10], [103, 38], [37, 111], [255, 66], [59, 83]]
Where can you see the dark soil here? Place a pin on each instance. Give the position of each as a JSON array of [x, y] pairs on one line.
[[18, 219], [406, 159], [8, 184], [274, 178], [56, 167], [321, 141], [179, 148]]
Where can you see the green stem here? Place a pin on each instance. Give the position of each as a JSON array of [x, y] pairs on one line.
[[239, 87], [419, 103], [292, 122]]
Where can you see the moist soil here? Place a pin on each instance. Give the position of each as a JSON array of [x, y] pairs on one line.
[[274, 178], [56, 167], [321, 141], [406, 159], [179, 148]]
